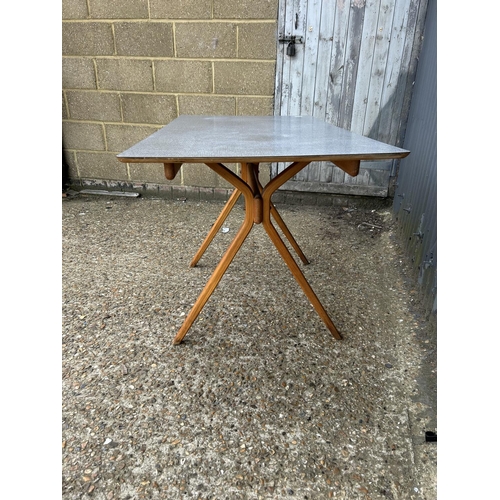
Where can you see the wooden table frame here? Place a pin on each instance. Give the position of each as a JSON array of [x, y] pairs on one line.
[[258, 206], [258, 209]]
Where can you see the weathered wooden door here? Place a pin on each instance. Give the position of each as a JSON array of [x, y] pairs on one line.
[[354, 66]]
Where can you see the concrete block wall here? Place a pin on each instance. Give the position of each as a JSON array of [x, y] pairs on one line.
[[131, 66]]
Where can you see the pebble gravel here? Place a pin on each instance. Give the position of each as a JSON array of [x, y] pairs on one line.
[[259, 401]]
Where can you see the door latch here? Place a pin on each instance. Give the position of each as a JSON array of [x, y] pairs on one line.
[[292, 40]]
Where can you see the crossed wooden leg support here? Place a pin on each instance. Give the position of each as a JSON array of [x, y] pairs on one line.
[[229, 206], [258, 209]]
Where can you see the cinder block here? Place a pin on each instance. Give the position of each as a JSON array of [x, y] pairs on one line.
[[165, 191], [293, 198], [206, 193], [74, 9], [183, 76], [151, 189], [278, 197], [323, 199], [257, 41], [198, 174], [192, 193], [187, 9], [121, 137], [65, 114], [94, 106], [125, 74], [77, 135], [210, 40], [178, 192], [239, 78], [151, 172], [221, 182], [144, 39], [93, 39], [149, 108], [118, 9], [221, 194], [70, 158], [309, 199], [206, 105], [93, 165], [78, 73], [264, 173], [256, 9], [255, 106], [138, 186]]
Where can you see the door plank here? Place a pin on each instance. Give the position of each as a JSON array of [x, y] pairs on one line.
[[380, 64], [416, 16], [381, 127], [325, 47], [297, 28], [309, 75], [337, 62], [351, 62], [320, 171], [365, 76], [281, 83], [311, 54]]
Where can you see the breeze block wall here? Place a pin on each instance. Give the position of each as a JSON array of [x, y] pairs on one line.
[[130, 67]]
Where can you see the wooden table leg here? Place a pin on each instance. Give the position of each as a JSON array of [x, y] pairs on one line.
[[288, 234], [216, 277], [271, 187], [227, 258], [284, 228], [217, 225], [220, 220], [297, 273]]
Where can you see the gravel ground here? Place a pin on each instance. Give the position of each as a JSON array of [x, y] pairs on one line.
[[259, 401]]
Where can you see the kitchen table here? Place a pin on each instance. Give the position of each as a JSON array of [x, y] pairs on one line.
[[249, 141]]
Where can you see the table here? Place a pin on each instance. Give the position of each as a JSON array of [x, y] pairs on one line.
[[249, 141]]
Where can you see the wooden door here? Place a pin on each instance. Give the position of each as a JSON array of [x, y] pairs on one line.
[[354, 69]]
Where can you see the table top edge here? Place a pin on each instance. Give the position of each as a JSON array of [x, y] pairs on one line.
[[262, 159]]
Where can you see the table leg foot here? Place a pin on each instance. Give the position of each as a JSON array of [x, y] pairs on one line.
[[335, 333]]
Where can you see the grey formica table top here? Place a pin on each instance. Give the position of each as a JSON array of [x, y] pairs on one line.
[[200, 139]]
